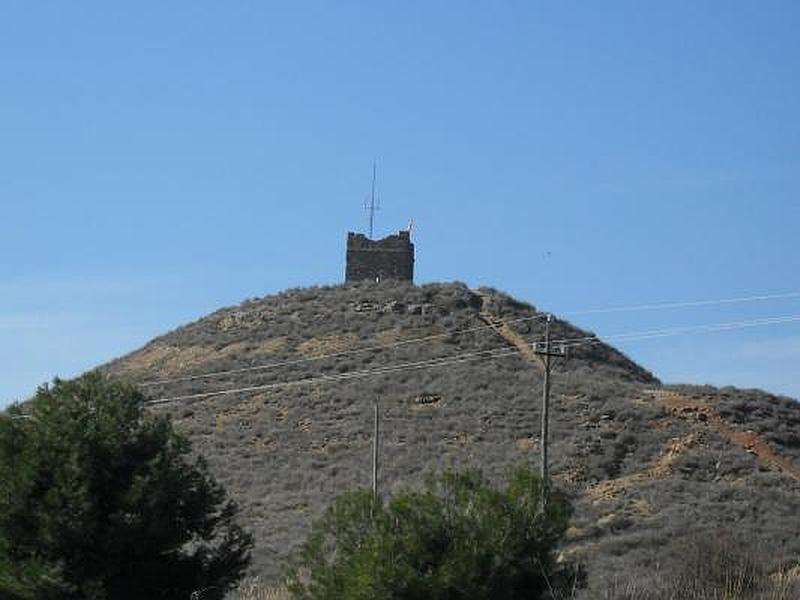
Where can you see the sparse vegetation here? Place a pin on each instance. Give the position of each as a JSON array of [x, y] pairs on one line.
[[640, 472], [101, 501], [715, 565], [253, 588]]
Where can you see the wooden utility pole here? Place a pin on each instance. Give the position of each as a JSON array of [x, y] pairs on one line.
[[548, 353], [376, 432]]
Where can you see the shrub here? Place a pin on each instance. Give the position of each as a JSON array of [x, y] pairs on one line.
[[459, 538], [711, 566]]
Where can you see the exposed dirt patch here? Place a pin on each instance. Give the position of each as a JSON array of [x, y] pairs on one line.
[[170, 360], [389, 336], [328, 345], [661, 468], [272, 345], [244, 319], [509, 335], [167, 360], [527, 444], [701, 409]]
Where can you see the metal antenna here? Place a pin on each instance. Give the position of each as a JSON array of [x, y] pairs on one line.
[[372, 206]]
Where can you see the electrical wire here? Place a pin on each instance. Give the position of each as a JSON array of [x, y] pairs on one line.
[[672, 331], [538, 316], [349, 352], [489, 355], [690, 304], [442, 361]]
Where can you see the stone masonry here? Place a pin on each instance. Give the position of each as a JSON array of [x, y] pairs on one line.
[[377, 260]]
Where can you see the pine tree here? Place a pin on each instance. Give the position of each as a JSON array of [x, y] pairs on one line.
[[458, 539], [99, 499]]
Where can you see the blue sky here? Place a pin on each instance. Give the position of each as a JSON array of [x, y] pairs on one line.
[[159, 160]]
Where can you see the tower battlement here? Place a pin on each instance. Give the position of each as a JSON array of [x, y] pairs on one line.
[[376, 260]]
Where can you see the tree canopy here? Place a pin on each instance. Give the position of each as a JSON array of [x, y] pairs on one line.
[[100, 499], [458, 539]]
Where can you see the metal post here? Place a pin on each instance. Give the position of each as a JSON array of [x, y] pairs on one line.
[[375, 446], [372, 207]]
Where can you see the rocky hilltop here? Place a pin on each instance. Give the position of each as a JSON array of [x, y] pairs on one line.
[[458, 385]]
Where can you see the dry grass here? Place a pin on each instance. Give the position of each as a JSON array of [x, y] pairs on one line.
[[781, 590], [254, 589], [713, 566]]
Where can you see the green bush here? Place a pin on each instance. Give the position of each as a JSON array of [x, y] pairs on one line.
[[458, 539], [98, 500]]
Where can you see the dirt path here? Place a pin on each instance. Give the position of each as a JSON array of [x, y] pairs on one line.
[[750, 441], [509, 335], [677, 403], [703, 411], [660, 469]]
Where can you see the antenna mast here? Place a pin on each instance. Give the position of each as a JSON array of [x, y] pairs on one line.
[[372, 207]]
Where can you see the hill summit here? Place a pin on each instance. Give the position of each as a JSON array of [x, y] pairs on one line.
[[458, 385]]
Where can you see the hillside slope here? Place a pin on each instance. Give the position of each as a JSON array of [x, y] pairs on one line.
[[645, 463]]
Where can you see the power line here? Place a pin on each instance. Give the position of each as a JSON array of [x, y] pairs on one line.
[[491, 354], [690, 304], [442, 361], [486, 355], [418, 340], [672, 331], [295, 361]]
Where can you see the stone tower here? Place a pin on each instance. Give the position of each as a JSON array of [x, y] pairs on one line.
[[376, 260]]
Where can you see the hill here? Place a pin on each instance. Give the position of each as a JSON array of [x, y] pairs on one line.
[[645, 463]]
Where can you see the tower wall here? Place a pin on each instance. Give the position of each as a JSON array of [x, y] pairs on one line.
[[389, 258]]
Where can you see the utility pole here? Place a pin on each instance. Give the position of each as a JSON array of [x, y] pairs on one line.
[[376, 431], [548, 353]]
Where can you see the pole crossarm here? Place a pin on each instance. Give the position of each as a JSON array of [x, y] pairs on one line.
[[538, 348]]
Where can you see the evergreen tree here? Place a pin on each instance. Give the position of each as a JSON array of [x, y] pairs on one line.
[[459, 539], [99, 499]]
